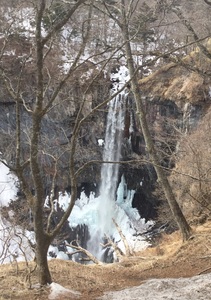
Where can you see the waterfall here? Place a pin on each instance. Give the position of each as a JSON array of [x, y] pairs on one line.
[[106, 206], [109, 171], [92, 215], [114, 200]]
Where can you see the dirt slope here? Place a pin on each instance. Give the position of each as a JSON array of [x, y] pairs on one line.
[[170, 259]]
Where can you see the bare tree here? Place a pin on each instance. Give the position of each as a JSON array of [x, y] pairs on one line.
[[38, 86], [46, 89], [193, 160], [208, 2], [124, 15], [37, 111]]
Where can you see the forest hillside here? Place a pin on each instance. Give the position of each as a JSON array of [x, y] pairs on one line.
[[104, 143]]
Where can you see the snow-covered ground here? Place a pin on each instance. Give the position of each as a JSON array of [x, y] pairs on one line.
[[14, 245], [8, 186], [195, 288], [56, 291]]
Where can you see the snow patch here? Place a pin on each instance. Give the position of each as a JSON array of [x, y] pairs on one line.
[[14, 243], [100, 142], [57, 290], [197, 287], [210, 91], [14, 240], [8, 186], [119, 79]]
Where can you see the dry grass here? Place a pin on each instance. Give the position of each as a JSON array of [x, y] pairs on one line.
[[178, 82], [168, 245], [170, 258], [15, 284]]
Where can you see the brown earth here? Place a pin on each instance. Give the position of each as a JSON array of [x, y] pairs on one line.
[[169, 259], [180, 81]]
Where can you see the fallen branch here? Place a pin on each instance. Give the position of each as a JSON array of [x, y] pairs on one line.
[[84, 251], [117, 250], [128, 250], [202, 272]]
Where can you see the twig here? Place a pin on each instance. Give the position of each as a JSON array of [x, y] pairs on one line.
[[205, 270]]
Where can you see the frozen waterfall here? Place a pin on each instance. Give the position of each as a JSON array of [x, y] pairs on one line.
[[110, 171], [114, 200], [106, 204]]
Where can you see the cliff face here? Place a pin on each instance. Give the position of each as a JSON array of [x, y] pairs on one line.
[[166, 116], [180, 89], [177, 98], [169, 123], [185, 80]]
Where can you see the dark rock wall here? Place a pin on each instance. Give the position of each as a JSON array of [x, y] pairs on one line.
[[163, 117], [166, 120]]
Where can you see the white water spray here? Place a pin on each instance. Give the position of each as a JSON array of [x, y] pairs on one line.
[[110, 171]]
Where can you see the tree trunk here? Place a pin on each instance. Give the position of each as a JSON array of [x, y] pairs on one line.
[[176, 211], [42, 246]]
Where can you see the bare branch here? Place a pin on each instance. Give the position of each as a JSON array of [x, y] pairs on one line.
[[208, 2], [185, 22], [84, 251], [60, 24], [128, 250], [73, 66], [119, 253]]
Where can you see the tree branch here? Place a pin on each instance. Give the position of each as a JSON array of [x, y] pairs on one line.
[[185, 22], [60, 24], [84, 251]]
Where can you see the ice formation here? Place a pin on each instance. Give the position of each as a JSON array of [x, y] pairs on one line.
[[114, 201]]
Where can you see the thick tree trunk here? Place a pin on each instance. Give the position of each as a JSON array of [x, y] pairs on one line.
[[42, 246], [176, 211]]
